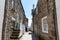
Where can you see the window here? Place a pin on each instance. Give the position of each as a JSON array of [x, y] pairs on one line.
[[44, 25], [13, 5], [37, 10], [13, 22]]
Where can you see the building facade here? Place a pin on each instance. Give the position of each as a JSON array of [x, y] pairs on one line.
[[45, 20], [2, 7], [13, 16], [26, 25]]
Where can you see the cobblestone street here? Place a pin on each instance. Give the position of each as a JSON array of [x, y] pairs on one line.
[[29, 36]]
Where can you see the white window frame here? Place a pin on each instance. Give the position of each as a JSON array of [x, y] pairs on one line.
[[13, 4], [13, 19], [43, 26]]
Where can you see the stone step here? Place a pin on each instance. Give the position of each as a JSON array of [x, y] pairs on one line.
[[15, 34], [13, 37], [15, 31]]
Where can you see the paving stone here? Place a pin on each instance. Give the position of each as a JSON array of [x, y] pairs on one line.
[[29, 36]]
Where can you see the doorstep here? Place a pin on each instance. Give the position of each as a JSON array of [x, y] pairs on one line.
[[21, 35]]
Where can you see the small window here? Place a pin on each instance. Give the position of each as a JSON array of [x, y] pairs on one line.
[[13, 24], [37, 10], [44, 25], [13, 5]]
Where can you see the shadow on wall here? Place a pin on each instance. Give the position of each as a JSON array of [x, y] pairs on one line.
[[33, 36]]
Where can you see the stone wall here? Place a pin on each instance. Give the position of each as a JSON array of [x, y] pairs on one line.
[[9, 13], [46, 8]]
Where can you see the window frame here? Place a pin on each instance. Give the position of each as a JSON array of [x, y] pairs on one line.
[[13, 5], [43, 25]]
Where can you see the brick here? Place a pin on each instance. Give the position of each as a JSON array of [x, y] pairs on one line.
[[45, 8]]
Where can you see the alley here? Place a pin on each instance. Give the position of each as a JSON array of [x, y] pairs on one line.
[[29, 19], [29, 36]]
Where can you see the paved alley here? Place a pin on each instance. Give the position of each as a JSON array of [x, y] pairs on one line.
[[29, 36]]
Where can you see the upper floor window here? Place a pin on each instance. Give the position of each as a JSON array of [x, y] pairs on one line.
[[37, 10], [13, 5], [44, 25]]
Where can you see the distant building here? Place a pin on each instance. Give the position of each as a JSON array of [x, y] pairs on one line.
[[13, 19], [45, 25], [34, 19], [26, 24], [31, 28]]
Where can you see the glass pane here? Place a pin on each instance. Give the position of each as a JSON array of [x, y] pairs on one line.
[[45, 25], [13, 5]]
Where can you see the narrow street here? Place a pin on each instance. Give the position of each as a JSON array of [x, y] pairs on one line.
[[29, 19], [29, 36]]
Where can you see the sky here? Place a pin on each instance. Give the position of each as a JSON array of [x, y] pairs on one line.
[[28, 5]]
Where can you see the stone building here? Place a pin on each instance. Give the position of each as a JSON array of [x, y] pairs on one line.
[[45, 25], [26, 24], [13, 16]]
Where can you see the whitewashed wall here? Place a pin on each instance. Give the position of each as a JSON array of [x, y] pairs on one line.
[[22, 29], [2, 4], [58, 15]]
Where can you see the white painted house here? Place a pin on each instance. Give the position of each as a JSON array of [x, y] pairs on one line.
[[57, 2], [2, 5]]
